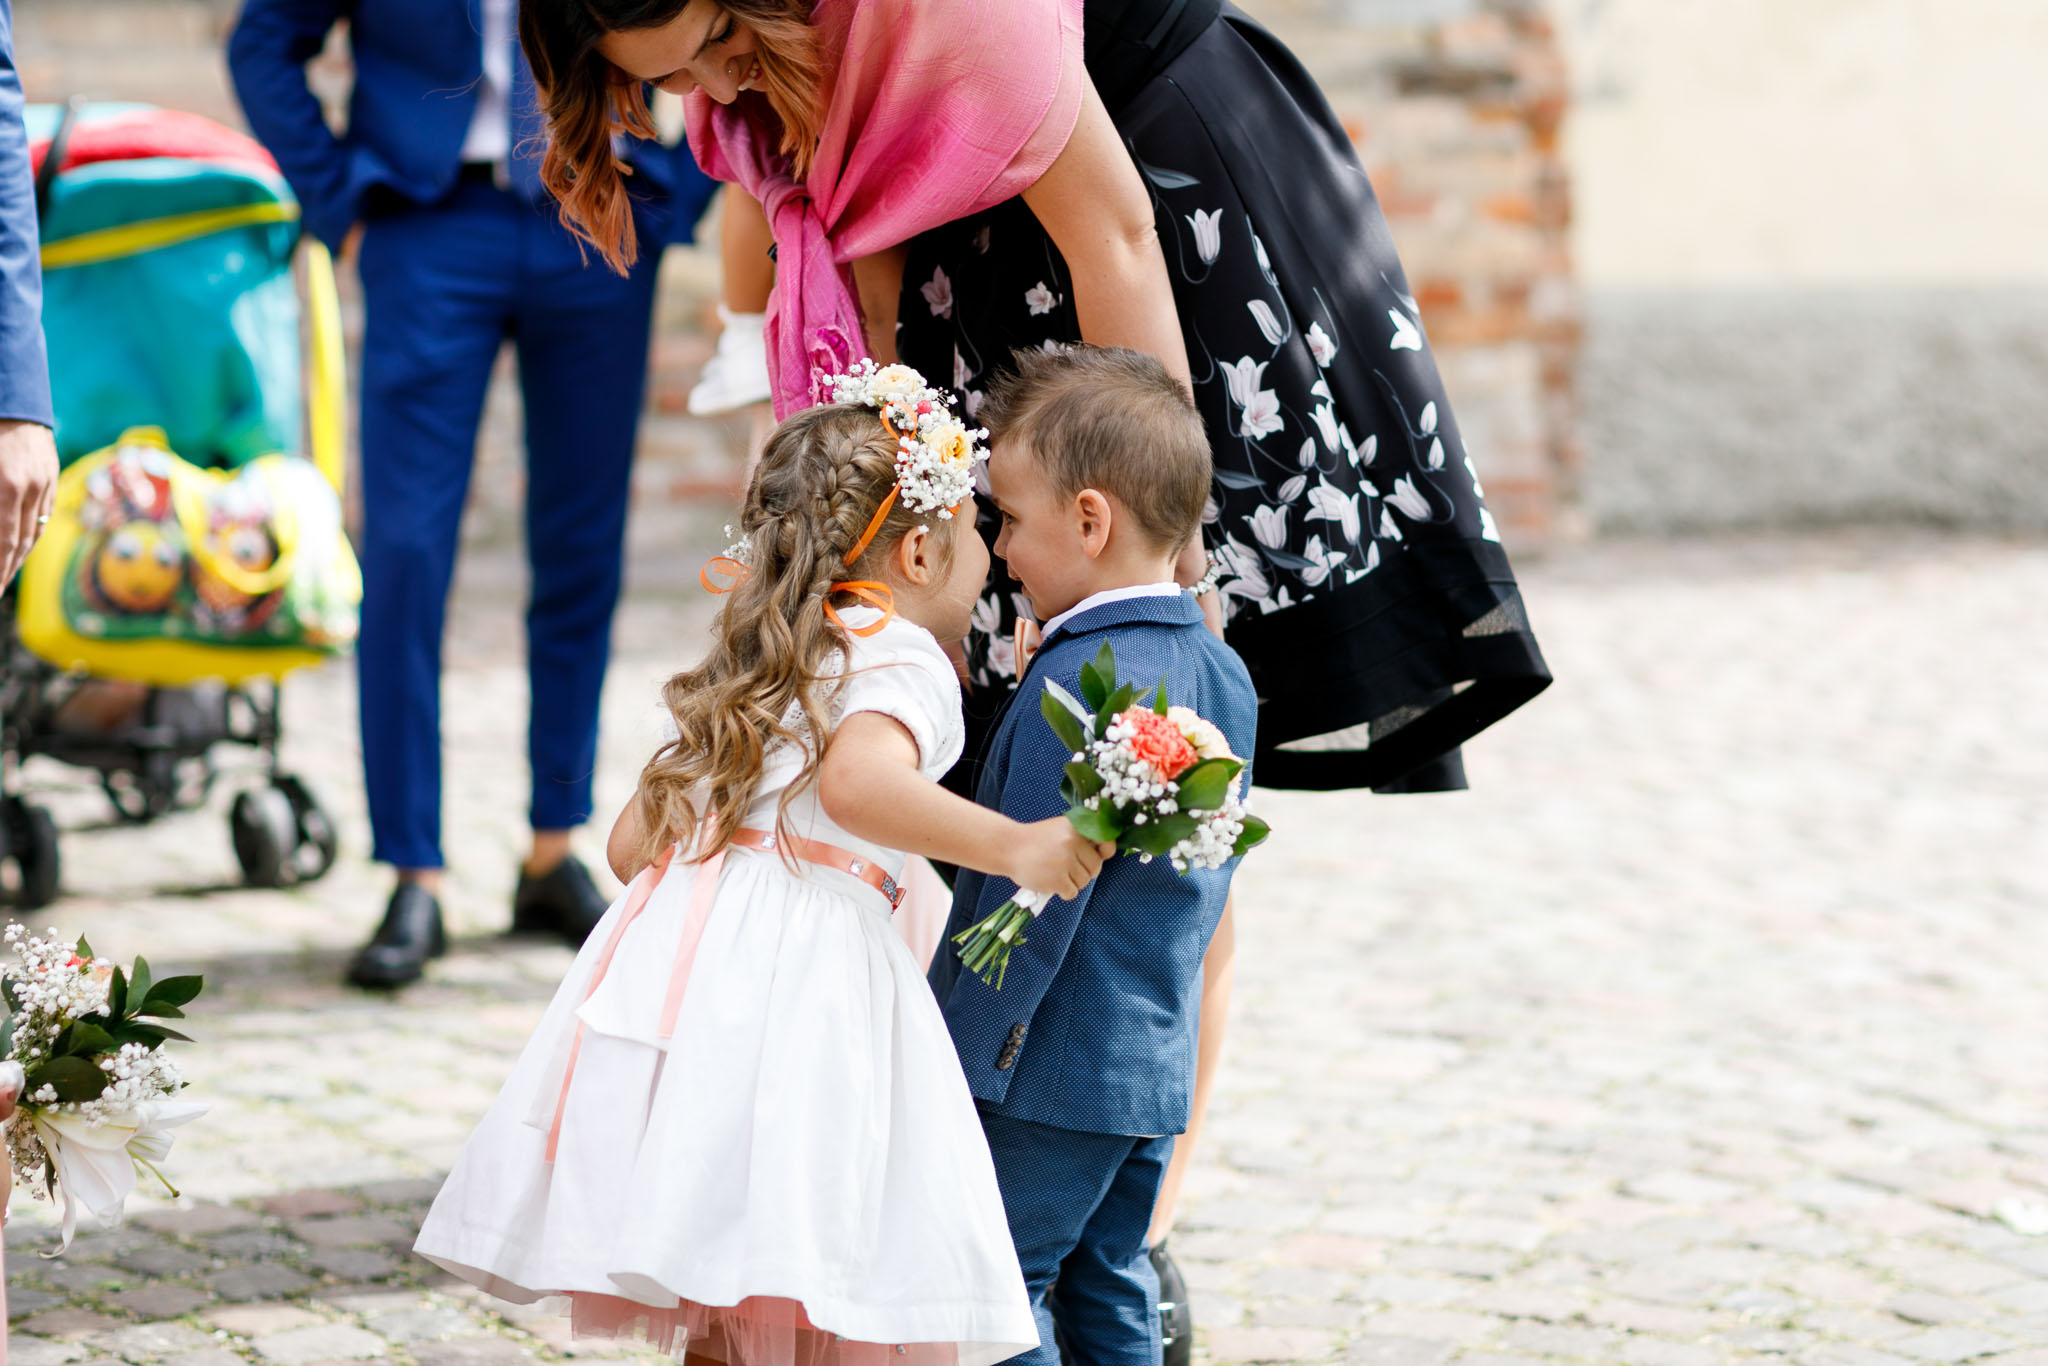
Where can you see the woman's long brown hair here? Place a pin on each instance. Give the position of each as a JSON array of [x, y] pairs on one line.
[[824, 473], [587, 100]]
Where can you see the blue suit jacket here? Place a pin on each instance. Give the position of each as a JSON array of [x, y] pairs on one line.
[[1108, 986], [417, 65], [24, 364]]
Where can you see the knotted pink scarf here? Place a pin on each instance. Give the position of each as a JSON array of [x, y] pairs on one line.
[[934, 109]]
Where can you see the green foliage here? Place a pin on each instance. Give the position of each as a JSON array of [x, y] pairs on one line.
[[1097, 822], [1082, 782], [1068, 718], [1205, 786], [73, 1079], [1098, 678], [1254, 832]]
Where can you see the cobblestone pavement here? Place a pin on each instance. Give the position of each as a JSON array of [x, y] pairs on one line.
[[1707, 1028]]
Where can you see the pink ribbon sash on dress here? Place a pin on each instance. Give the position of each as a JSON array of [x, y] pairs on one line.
[[701, 897]]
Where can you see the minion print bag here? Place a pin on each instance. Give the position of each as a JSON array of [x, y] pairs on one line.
[[160, 572]]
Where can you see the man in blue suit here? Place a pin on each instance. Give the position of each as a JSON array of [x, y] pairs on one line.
[[460, 251], [1083, 1064], [28, 452]]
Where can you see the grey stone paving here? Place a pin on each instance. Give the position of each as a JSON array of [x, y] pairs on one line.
[[1708, 1028]]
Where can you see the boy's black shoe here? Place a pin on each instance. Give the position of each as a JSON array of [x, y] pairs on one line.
[[410, 935], [1176, 1319], [561, 901]]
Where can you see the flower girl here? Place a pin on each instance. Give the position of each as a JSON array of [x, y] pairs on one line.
[[741, 1127]]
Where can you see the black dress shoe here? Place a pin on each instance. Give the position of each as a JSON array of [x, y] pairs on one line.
[[410, 935], [561, 901], [1176, 1320]]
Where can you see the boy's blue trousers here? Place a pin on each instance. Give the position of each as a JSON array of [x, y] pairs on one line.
[[1079, 1207], [443, 287]]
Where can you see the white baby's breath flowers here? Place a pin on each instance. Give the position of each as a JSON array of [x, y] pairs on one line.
[[936, 452]]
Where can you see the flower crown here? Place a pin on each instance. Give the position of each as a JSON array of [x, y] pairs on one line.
[[935, 451]]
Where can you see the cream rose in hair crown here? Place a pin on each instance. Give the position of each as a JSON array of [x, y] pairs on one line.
[[936, 452]]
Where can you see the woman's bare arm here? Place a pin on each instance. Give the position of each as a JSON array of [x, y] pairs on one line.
[[879, 280], [1094, 207]]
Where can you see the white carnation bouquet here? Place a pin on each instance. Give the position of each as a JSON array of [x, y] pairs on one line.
[[81, 1056]]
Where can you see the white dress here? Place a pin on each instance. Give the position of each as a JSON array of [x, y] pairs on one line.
[[798, 1174]]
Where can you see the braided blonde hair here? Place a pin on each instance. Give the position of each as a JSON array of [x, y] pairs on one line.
[[822, 476]]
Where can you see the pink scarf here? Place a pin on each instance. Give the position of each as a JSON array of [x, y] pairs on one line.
[[935, 109]]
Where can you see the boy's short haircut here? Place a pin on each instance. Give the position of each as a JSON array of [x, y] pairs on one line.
[[1110, 419]]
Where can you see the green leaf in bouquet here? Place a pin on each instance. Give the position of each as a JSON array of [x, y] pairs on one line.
[[117, 996], [73, 1079], [1204, 787], [1097, 822], [82, 949], [1082, 782], [138, 980], [7, 994], [84, 1039], [1159, 703], [1098, 676], [152, 1035], [1254, 832], [1157, 838], [6, 1037], [1065, 716], [166, 996], [1116, 703]]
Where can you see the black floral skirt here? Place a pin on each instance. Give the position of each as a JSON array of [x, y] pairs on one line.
[[1362, 575]]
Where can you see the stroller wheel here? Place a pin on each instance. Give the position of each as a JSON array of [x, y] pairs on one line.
[[32, 845], [316, 838], [265, 832]]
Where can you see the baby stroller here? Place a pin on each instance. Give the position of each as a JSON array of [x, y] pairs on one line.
[[196, 554]]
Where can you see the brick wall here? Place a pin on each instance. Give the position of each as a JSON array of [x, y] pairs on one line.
[[1455, 105]]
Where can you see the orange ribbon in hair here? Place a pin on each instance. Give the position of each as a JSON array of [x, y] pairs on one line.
[[732, 570], [888, 501], [874, 594]]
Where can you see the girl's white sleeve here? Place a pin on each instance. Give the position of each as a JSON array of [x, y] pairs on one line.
[[917, 688]]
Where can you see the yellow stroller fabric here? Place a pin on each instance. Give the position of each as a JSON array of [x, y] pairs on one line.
[[155, 570]]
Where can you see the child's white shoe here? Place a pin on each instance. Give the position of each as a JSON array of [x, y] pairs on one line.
[[737, 373]]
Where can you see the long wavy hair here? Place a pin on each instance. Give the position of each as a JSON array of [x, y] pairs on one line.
[[773, 650], [587, 101]]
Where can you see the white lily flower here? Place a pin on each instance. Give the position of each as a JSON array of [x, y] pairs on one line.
[[1269, 524], [1269, 322], [97, 1164], [1320, 346], [1407, 336], [1207, 225], [938, 293]]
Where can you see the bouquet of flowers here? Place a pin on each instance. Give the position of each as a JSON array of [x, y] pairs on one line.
[[1154, 779], [81, 1052]]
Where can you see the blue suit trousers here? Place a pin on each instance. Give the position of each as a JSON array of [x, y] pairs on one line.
[[1079, 1205], [444, 285]]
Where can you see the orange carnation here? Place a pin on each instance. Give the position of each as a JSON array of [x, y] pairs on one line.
[[1158, 742]]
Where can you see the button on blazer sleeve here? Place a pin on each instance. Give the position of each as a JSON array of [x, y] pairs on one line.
[[24, 363]]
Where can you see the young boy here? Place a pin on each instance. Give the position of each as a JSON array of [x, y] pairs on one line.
[[1084, 1062]]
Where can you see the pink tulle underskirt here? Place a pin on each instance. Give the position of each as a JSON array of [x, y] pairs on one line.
[[760, 1330]]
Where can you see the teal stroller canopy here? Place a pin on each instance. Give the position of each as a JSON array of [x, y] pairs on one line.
[[168, 297]]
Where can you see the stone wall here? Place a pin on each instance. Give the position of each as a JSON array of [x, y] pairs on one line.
[[1456, 107], [1809, 241]]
